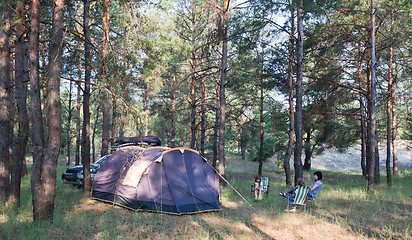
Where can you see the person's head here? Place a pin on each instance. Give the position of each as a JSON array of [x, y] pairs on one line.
[[317, 175], [300, 182], [257, 179]]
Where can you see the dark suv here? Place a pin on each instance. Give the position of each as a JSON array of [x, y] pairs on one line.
[[74, 175]]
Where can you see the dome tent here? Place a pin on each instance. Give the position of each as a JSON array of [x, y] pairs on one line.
[[175, 181]]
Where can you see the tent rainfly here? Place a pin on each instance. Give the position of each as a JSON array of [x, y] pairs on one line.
[[176, 181]]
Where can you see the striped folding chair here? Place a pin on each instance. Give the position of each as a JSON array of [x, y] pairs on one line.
[[299, 198], [265, 185]]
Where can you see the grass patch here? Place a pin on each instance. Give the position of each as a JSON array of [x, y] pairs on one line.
[[344, 211]]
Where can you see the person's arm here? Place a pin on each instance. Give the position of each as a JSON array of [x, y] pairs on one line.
[[314, 187]]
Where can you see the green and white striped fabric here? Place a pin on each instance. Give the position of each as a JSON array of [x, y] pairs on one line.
[[265, 184], [301, 195]]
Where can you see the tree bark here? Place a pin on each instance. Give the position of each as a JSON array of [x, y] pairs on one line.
[[69, 119], [193, 99], [114, 117], [392, 102], [85, 150], [362, 118], [96, 121], [48, 167], [364, 134], [299, 93], [37, 116], [308, 151], [216, 127], [105, 100], [203, 118], [394, 135], [261, 130], [19, 150], [146, 108], [377, 161], [286, 160], [12, 111], [372, 114], [78, 110], [172, 140], [222, 97], [182, 135], [6, 125], [389, 107]]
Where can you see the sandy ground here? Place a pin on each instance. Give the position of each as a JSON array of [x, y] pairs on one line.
[[333, 160], [349, 161]]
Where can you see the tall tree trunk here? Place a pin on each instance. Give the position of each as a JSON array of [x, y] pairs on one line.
[[19, 150], [377, 161], [216, 128], [193, 101], [6, 121], [37, 116], [261, 129], [146, 108], [362, 118], [394, 134], [299, 93], [114, 117], [69, 119], [12, 110], [203, 118], [123, 85], [105, 97], [51, 155], [286, 160], [308, 151], [96, 121], [389, 106], [85, 150], [373, 139], [172, 140], [364, 134], [182, 135], [222, 97], [243, 142], [392, 102], [122, 119], [26, 80], [78, 109]]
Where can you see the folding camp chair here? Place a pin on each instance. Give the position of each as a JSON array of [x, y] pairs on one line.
[[312, 201], [300, 197], [265, 186]]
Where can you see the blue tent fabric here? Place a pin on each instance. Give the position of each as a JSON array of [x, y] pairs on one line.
[[175, 181]]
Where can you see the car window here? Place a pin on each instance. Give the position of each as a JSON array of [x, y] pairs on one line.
[[102, 159]]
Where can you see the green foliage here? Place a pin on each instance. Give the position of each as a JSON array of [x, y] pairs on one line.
[[270, 146]]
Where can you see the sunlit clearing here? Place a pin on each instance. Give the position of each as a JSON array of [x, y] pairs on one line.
[[232, 205]]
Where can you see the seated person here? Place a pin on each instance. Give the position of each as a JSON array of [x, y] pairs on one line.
[[313, 190], [258, 188]]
